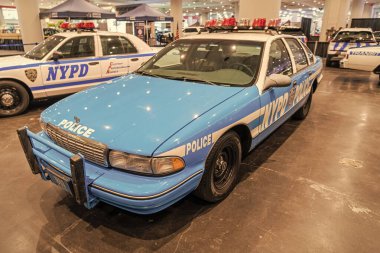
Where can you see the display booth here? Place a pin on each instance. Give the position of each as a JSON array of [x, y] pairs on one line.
[[143, 18]]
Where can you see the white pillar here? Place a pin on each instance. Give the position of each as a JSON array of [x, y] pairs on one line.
[[2, 21], [357, 8], [367, 12], [177, 14], [29, 20], [251, 9], [204, 18], [335, 15], [236, 10]]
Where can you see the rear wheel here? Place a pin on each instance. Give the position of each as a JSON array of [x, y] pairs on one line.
[[14, 98], [302, 113], [221, 169]]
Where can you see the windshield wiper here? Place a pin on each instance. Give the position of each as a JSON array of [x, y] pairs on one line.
[[186, 79], [144, 73]]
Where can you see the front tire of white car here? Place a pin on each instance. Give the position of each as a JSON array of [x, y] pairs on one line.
[[14, 98], [221, 169]]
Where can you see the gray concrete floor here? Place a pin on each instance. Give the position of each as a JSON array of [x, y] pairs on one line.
[[312, 186]]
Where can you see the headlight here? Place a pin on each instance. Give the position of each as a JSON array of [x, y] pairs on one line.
[[43, 125], [146, 165]]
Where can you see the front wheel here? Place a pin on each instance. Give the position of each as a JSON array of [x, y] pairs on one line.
[[304, 110], [221, 169], [14, 98]]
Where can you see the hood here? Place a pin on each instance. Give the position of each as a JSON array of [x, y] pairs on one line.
[[135, 113], [17, 60]]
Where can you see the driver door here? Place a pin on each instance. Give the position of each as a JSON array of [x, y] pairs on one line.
[[75, 70]]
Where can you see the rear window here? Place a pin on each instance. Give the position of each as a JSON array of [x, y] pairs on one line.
[[351, 36]]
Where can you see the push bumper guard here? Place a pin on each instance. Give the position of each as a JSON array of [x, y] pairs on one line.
[[77, 183]]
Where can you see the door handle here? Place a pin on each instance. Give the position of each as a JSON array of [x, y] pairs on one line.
[[134, 59], [294, 83], [93, 63], [310, 73]]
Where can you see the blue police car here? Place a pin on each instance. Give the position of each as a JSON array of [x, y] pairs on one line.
[[179, 124]]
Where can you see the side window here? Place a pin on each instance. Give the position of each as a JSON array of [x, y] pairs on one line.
[[113, 45], [78, 47], [298, 53], [279, 59], [128, 47], [309, 54]]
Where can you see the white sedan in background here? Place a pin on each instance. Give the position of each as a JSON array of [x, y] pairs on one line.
[[67, 63], [363, 58]]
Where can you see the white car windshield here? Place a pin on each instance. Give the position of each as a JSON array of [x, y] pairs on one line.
[[350, 36], [217, 62], [42, 49]]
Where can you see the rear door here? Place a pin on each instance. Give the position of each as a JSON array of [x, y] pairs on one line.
[[77, 69], [301, 80], [119, 56]]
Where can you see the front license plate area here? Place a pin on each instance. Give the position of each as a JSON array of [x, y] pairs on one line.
[[62, 181]]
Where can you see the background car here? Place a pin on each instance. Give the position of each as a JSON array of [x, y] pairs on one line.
[[180, 124], [377, 36], [66, 63], [348, 38], [363, 58]]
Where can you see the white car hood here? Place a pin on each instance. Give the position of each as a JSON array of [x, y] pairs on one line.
[[17, 60]]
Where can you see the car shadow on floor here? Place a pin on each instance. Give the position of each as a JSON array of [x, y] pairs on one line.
[[116, 228]]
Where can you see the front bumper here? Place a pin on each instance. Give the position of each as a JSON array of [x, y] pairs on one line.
[[89, 183]]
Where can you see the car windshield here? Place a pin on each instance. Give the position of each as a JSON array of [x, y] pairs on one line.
[[216, 62], [42, 49], [350, 36]]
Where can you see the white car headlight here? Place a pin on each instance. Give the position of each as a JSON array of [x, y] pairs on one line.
[[146, 165], [43, 125]]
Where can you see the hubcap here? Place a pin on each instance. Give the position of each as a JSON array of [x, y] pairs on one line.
[[9, 99], [223, 169], [221, 166]]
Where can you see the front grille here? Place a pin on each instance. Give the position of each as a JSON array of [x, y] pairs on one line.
[[91, 150]]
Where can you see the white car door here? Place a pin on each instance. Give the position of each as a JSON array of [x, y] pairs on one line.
[[120, 56], [76, 69]]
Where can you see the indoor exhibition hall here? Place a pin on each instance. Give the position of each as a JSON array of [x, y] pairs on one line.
[[181, 126]]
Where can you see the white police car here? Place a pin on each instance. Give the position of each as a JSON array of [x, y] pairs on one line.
[[179, 124], [348, 38], [66, 63], [363, 58]]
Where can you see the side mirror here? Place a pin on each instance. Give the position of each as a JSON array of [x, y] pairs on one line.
[[56, 56], [277, 80]]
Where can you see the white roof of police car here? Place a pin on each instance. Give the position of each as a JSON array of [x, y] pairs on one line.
[[74, 34], [355, 30], [249, 36]]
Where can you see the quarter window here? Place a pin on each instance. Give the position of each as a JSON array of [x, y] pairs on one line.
[[279, 59], [298, 53], [113, 45], [78, 47]]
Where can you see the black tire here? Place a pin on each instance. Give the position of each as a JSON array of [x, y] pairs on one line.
[[221, 169], [14, 98], [302, 113], [329, 63]]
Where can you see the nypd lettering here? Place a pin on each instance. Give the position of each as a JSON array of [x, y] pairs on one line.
[[198, 144], [277, 108], [76, 128], [62, 72], [364, 53]]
